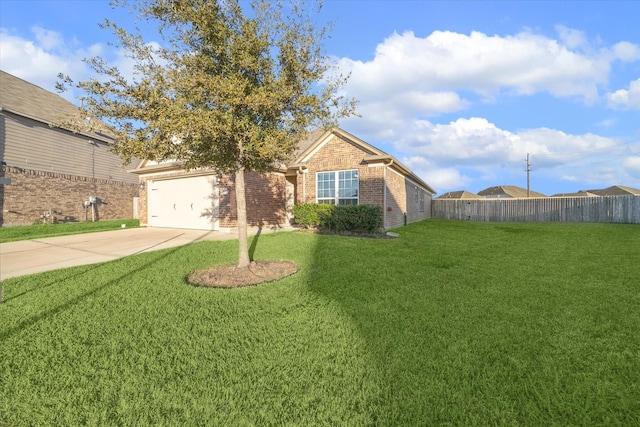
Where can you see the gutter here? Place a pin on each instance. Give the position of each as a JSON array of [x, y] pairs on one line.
[[157, 168], [384, 202]]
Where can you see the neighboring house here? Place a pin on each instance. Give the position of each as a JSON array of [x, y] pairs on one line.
[[578, 194], [329, 167], [616, 190], [508, 192], [458, 195], [54, 173]]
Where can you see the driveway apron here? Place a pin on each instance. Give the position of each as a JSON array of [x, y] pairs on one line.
[[40, 255]]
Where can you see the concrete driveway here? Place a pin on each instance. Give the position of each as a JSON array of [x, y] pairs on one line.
[[51, 253]]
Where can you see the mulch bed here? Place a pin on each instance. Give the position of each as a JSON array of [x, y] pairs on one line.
[[231, 276]]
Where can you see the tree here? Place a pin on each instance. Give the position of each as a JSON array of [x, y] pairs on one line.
[[229, 90]]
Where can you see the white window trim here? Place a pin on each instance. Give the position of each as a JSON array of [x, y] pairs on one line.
[[337, 186]]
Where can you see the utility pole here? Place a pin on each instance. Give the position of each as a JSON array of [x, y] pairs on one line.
[[528, 174]]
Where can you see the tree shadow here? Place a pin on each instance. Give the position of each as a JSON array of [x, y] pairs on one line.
[[384, 318], [90, 271], [254, 242]]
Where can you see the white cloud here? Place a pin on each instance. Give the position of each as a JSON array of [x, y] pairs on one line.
[[410, 80], [438, 177], [571, 38], [473, 151], [521, 64], [34, 63], [632, 166], [47, 39], [39, 61], [626, 99], [476, 141], [626, 52]]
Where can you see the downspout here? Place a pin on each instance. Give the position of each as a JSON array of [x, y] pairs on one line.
[[304, 184], [384, 201]]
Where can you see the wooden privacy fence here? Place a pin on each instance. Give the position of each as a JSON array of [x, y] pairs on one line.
[[622, 209]]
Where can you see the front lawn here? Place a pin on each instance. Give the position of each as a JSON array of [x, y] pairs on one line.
[[452, 323], [39, 231]]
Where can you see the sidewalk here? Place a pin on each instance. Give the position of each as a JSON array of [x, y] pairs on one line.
[[51, 253]]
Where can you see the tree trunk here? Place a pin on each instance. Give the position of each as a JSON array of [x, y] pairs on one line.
[[241, 211]]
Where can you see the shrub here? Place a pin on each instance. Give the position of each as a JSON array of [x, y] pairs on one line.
[[339, 218], [312, 214]]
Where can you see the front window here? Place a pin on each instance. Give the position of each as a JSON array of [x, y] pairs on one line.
[[337, 188]]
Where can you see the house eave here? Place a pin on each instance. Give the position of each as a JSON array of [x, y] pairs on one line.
[[393, 163], [162, 167]]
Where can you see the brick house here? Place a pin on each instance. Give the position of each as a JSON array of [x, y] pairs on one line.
[[48, 172], [329, 167]]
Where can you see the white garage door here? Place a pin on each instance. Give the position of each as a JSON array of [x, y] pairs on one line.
[[184, 203]]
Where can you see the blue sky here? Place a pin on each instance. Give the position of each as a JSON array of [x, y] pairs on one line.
[[458, 91]]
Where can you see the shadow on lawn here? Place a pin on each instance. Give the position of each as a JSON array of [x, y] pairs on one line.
[[90, 272], [383, 293], [254, 242], [91, 267]]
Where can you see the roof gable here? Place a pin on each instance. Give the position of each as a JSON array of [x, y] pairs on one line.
[[508, 191], [616, 190], [461, 194], [320, 137], [308, 148]]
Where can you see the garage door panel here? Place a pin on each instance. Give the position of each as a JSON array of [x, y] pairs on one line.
[[184, 203]]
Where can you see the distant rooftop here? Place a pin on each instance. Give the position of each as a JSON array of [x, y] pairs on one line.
[[578, 194], [616, 190], [462, 194], [508, 191]]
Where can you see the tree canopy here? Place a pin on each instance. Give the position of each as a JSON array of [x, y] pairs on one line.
[[226, 88]]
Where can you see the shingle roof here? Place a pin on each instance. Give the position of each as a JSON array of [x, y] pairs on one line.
[[462, 194], [312, 137], [578, 194], [508, 191], [25, 99], [616, 190]]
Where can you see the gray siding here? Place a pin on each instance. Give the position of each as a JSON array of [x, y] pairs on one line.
[[30, 144]]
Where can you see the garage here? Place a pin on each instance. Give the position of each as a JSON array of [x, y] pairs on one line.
[[189, 202]]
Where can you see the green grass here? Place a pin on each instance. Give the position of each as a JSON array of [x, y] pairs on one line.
[[39, 231], [453, 323]]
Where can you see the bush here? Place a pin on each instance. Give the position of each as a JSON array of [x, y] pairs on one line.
[[339, 218], [312, 214]]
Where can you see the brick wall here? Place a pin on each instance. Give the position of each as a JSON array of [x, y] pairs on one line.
[[338, 154], [418, 202], [266, 196], [31, 193], [404, 196], [396, 199]]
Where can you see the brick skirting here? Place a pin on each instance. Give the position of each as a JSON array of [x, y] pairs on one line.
[[59, 197]]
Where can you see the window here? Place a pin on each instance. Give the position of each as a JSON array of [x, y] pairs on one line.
[[337, 188]]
